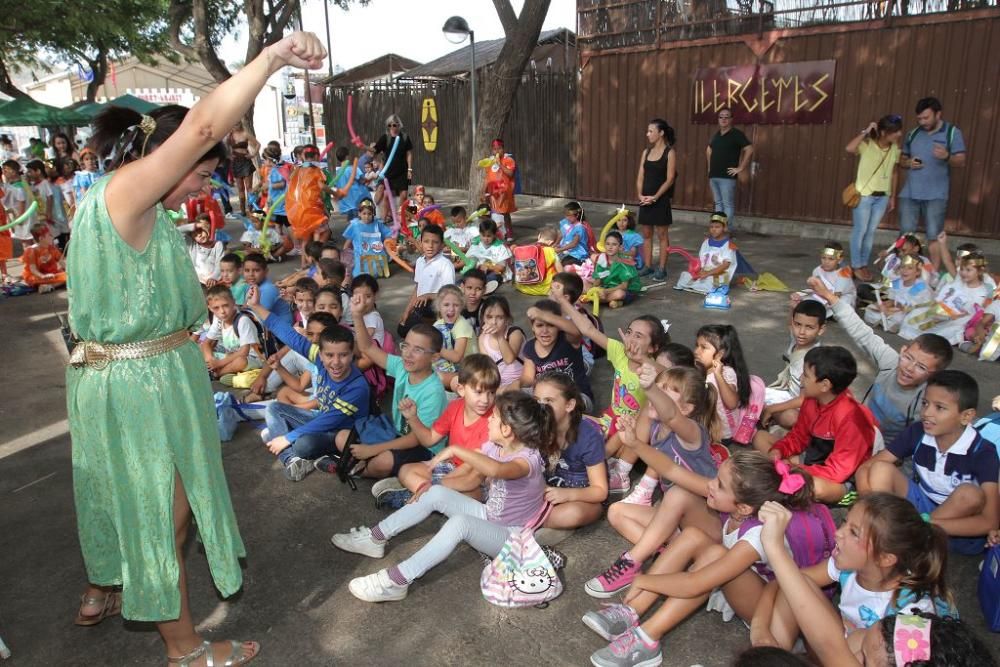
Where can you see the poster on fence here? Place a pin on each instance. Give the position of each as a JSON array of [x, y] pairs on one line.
[[780, 93]]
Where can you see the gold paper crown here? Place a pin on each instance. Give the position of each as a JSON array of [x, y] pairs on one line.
[[832, 253], [909, 260], [974, 259], [720, 218]]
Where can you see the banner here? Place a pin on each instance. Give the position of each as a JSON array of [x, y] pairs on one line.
[[789, 93]]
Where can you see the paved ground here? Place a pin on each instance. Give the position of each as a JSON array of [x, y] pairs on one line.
[[295, 600]]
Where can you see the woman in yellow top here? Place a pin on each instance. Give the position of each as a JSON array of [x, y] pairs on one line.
[[878, 149]]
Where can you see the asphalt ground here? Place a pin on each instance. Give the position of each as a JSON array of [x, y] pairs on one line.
[[295, 599]]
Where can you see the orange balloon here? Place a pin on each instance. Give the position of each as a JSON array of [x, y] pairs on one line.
[[304, 201]]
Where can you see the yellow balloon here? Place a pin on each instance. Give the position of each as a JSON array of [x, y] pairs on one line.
[[622, 212]]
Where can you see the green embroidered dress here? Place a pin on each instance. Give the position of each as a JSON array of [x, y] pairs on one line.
[[137, 421]]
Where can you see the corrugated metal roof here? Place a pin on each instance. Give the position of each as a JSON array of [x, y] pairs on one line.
[[457, 62], [390, 64]]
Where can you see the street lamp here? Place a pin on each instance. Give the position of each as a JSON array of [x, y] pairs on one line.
[[455, 30]]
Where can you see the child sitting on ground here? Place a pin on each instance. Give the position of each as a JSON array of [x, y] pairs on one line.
[[253, 238], [905, 293], [231, 344], [296, 377], [313, 254], [570, 285], [460, 233], [458, 338], [954, 305], [681, 422], [473, 284], [537, 264], [521, 437], [718, 350], [298, 436], [631, 240], [464, 423], [838, 279], [576, 477], [44, 265], [366, 237], [556, 346], [328, 300], [908, 245], [718, 259], [888, 561], [501, 340], [574, 243], [304, 300], [782, 398], [231, 275], [431, 273], [492, 256], [955, 471], [895, 397], [255, 275], [834, 433], [613, 280], [385, 443], [205, 252], [951, 265]]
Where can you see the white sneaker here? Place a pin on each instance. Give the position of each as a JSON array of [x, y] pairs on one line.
[[45, 289], [387, 484], [265, 435], [640, 495], [359, 541], [377, 587]]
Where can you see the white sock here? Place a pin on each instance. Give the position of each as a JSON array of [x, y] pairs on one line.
[[624, 466], [646, 639], [648, 482]]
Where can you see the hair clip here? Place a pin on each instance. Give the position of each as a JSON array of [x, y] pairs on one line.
[[790, 482], [911, 639], [666, 325]]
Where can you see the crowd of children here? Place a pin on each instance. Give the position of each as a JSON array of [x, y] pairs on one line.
[[494, 425]]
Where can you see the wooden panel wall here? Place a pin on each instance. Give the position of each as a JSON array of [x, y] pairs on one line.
[[881, 68]]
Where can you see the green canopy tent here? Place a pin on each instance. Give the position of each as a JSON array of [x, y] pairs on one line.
[[26, 112], [132, 102]]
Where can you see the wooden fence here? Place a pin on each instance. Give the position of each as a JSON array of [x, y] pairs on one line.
[[882, 66], [540, 131]]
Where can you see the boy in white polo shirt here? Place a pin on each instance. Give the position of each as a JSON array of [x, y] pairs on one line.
[[431, 272], [955, 470]]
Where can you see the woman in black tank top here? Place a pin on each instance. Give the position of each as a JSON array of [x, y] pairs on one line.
[[655, 185]]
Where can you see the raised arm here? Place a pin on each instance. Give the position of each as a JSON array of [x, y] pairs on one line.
[[568, 327], [139, 185], [362, 338], [581, 324]]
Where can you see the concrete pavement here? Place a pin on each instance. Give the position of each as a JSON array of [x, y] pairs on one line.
[[295, 600]]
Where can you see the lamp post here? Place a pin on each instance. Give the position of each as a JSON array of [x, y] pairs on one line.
[[455, 30]]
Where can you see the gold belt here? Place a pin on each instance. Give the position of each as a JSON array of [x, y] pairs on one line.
[[96, 355]]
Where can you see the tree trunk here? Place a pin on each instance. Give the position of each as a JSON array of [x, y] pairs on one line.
[[99, 66], [7, 86], [502, 81]]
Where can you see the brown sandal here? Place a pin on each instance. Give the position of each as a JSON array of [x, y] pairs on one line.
[[112, 607]]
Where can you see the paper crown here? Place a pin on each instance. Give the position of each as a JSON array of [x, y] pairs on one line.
[[832, 253], [720, 218], [909, 260], [974, 259]]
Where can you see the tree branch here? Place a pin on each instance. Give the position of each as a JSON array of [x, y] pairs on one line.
[[178, 14], [507, 16]]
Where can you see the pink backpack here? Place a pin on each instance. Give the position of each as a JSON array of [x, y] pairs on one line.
[[810, 535], [743, 424], [381, 384], [522, 575]]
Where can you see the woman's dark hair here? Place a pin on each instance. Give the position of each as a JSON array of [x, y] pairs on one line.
[[570, 391], [756, 480], [117, 133], [533, 424], [953, 643], [886, 125], [668, 132], [69, 143], [893, 526], [724, 338], [658, 338]]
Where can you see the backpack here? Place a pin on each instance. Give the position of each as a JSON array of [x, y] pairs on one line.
[[810, 536], [267, 343], [591, 238], [522, 575], [989, 588], [530, 267], [949, 133], [744, 430]]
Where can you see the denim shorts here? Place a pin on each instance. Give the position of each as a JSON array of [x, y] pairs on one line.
[[968, 546]]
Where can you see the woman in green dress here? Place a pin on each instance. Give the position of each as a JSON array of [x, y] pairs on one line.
[[146, 453]]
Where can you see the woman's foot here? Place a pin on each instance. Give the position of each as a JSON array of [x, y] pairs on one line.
[[227, 652], [863, 274], [96, 605]]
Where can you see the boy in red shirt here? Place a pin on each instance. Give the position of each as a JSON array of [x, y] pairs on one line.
[[834, 433], [44, 266], [464, 422]]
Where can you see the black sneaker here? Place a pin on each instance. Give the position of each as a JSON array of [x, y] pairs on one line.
[[327, 464]]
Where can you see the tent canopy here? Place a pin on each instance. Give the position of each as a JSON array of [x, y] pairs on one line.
[[26, 112], [131, 102]]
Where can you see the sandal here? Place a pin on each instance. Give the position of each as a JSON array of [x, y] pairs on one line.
[[112, 606], [236, 656]]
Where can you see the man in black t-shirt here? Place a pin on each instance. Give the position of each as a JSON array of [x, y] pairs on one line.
[[728, 154]]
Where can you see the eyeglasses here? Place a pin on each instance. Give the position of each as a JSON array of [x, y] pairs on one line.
[[393, 125], [404, 347]]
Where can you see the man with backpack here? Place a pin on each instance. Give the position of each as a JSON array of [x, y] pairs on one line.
[[930, 150]]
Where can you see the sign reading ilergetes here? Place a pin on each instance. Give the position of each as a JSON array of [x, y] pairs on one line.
[[790, 93]]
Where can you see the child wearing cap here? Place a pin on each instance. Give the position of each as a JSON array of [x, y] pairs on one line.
[[717, 256]]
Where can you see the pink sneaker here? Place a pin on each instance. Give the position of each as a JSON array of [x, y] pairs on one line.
[[614, 579], [642, 494], [618, 481]]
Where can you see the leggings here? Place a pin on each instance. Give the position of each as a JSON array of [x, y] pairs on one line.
[[466, 523]]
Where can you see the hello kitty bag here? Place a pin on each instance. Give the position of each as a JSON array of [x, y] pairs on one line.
[[522, 575]]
